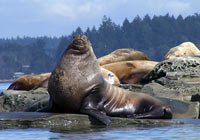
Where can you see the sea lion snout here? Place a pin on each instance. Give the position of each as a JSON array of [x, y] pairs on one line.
[[80, 44]]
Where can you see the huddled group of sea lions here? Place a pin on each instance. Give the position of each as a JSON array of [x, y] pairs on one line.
[[81, 83]]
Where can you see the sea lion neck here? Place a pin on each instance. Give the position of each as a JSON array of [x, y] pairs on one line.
[[79, 45]]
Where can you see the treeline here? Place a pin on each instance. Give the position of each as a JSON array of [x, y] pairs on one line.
[[153, 36], [28, 55]]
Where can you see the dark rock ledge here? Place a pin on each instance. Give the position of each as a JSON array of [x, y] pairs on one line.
[[70, 121]]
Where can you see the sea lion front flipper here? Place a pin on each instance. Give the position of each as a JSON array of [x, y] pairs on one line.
[[102, 117], [90, 107]]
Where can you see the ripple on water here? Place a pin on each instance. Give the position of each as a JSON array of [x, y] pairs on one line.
[[175, 132], [26, 134]]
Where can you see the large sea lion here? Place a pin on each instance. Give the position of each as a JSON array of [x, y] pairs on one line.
[[28, 82], [125, 54], [131, 72], [77, 86], [184, 49]]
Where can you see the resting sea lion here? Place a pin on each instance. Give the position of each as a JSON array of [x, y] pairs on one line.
[[43, 84], [77, 86], [184, 49], [130, 72], [122, 55], [28, 82]]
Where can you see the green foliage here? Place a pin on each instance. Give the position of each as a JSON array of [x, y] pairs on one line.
[[151, 35]]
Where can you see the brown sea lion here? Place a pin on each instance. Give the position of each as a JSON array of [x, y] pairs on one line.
[[184, 49], [125, 54], [130, 72], [77, 86], [28, 82], [43, 84]]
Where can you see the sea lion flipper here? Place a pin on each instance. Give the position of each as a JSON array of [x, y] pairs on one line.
[[91, 108], [156, 113], [102, 117]]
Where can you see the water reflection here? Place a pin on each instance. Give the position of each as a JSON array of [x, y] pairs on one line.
[[174, 132]]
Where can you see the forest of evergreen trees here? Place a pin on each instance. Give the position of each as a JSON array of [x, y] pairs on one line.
[[151, 35]]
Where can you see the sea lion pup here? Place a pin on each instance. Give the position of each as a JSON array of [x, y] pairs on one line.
[[130, 72], [109, 76], [184, 49], [77, 86], [122, 55], [28, 82]]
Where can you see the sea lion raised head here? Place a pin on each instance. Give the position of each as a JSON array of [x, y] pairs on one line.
[[77, 86], [79, 45]]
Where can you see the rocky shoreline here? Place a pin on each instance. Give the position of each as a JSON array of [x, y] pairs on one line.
[[174, 81], [71, 121]]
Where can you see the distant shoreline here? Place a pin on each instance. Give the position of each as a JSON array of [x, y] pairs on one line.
[[6, 80]]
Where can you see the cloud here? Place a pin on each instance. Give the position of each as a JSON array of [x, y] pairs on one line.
[[58, 17], [174, 7], [74, 10], [178, 7]]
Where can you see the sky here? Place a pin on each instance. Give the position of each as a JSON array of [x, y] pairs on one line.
[[51, 18]]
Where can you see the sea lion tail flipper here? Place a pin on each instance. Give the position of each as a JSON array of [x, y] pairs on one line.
[[102, 117], [156, 113]]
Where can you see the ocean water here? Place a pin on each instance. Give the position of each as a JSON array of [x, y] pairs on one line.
[[174, 132], [4, 86]]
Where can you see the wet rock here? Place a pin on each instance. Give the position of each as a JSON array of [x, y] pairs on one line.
[[153, 89], [13, 101], [157, 90], [182, 109], [70, 121], [38, 105], [181, 74]]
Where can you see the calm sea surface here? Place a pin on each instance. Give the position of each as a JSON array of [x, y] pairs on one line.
[[4, 86], [174, 132]]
